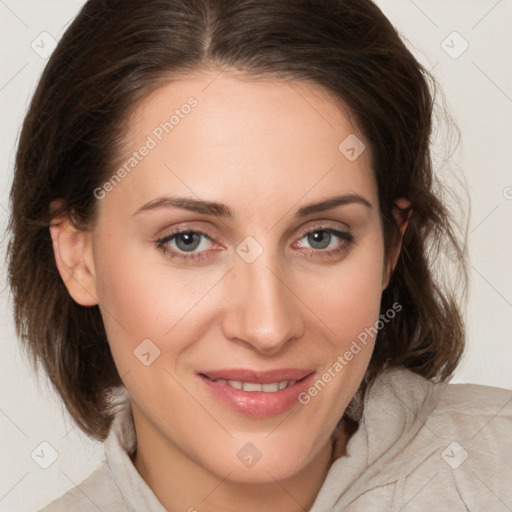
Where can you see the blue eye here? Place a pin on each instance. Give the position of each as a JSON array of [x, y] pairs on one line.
[[326, 242], [321, 238], [188, 241], [192, 245], [185, 242]]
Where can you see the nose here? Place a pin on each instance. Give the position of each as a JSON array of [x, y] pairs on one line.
[[262, 310]]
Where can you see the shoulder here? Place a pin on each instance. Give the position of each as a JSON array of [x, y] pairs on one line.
[[97, 492], [460, 447], [477, 397], [480, 416], [467, 410], [454, 406], [421, 445]]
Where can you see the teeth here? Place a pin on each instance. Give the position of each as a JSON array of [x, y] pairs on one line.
[[271, 387], [251, 386]]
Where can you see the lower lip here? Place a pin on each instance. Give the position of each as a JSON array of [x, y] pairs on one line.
[[258, 403]]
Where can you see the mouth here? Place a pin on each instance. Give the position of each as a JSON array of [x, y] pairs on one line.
[[257, 393], [251, 387]]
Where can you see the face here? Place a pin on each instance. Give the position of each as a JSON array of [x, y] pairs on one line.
[[223, 319]]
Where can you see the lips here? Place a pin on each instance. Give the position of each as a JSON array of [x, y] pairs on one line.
[[257, 393]]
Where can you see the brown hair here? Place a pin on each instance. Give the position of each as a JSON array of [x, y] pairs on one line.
[[113, 53]]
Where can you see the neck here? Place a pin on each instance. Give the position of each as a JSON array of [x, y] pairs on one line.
[[180, 483]]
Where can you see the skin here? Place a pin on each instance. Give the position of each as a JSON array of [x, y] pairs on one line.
[[264, 148]]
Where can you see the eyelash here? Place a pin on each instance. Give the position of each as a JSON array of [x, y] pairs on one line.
[[345, 236]]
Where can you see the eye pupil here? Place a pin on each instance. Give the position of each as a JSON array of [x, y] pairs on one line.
[[188, 240], [323, 238]]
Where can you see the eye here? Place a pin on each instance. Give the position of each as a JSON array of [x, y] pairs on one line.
[[326, 241], [193, 245], [320, 238], [188, 241], [183, 243]]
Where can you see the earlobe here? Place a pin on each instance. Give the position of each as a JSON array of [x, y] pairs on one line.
[[402, 213], [72, 249]]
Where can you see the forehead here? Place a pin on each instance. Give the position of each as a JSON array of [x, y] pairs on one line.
[[241, 141]]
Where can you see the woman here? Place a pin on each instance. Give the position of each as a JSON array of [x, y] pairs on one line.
[[225, 224]]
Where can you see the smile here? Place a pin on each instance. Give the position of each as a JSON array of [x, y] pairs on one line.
[[271, 387], [256, 393]]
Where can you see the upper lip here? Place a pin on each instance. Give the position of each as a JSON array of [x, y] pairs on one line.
[[257, 376]]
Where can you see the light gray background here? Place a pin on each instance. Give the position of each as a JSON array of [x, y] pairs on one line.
[[478, 90]]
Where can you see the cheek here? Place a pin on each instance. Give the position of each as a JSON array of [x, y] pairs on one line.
[[347, 297], [348, 305], [142, 297]]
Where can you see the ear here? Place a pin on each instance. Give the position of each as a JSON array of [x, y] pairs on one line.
[[402, 212], [72, 249]]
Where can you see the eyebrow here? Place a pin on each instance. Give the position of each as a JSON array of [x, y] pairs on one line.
[[222, 210]]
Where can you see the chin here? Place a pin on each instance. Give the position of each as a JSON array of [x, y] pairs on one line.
[[264, 473], [254, 462]]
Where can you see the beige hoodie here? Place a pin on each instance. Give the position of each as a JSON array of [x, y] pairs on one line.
[[419, 446]]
